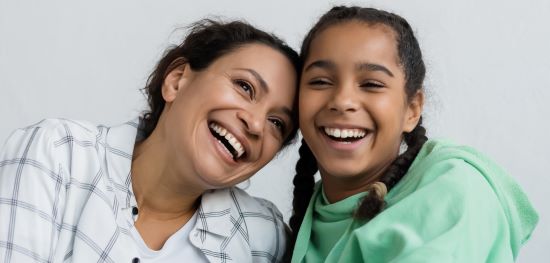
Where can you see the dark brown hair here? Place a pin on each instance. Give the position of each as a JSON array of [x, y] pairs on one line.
[[410, 58], [207, 41]]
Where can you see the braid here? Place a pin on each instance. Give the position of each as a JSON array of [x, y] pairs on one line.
[[304, 181], [374, 203]]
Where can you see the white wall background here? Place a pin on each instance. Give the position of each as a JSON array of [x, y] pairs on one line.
[[488, 72]]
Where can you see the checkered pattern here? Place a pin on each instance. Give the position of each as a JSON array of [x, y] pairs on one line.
[[66, 196]]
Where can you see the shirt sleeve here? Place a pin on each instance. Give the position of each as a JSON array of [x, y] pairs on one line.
[[450, 215], [31, 195], [282, 233], [277, 245]]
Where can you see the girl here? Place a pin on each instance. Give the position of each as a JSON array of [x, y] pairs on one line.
[[361, 97], [160, 189]]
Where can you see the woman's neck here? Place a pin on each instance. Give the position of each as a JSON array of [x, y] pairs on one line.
[[160, 189], [166, 197]]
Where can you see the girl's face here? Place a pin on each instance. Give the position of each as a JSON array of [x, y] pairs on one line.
[[353, 105], [224, 123]]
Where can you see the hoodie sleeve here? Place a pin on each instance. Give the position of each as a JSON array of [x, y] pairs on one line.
[[449, 212]]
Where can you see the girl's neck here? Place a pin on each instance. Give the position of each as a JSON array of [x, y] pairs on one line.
[[337, 188]]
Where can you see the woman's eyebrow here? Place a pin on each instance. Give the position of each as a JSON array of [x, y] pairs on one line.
[[258, 77], [373, 67], [285, 110], [263, 84]]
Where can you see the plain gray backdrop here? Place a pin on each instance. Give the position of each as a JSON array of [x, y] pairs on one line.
[[488, 73]]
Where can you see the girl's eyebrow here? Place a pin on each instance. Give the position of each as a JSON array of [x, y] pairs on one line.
[[329, 65], [373, 67], [323, 64]]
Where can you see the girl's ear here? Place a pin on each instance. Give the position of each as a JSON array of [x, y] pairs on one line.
[[178, 75], [414, 111]]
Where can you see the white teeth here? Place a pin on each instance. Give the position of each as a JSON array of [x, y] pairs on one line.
[[229, 137], [345, 133]]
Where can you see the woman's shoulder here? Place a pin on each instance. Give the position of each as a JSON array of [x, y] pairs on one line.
[[255, 221], [57, 128], [46, 137], [239, 200]]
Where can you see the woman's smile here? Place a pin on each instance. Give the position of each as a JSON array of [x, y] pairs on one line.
[[230, 144]]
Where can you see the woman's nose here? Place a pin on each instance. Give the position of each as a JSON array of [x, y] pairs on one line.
[[253, 122]]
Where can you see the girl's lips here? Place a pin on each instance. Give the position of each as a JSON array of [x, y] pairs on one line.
[[344, 134], [346, 146]]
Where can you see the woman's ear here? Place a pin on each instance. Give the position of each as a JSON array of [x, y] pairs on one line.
[[414, 111], [176, 78]]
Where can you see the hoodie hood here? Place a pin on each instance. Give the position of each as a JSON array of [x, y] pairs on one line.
[[521, 215]]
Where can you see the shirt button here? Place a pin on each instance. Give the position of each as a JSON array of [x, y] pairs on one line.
[[135, 211], [135, 260]]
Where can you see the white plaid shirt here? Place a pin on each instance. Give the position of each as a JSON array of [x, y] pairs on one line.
[[66, 196]]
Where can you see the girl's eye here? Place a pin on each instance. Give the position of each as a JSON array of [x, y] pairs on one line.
[[319, 82], [246, 87], [279, 124], [371, 84]]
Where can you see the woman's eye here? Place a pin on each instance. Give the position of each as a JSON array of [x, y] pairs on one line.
[[246, 87], [279, 124]]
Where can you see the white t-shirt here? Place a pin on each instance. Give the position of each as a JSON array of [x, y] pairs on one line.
[[178, 247]]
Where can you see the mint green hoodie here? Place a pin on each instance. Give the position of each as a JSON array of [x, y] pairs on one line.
[[453, 205]]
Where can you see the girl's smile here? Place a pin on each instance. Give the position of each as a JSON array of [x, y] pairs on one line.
[[344, 138]]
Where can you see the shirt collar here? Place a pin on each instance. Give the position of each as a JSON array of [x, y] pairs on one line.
[[119, 147], [214, 213]]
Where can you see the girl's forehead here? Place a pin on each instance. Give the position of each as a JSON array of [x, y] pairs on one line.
[[354, 32], [354, 42]]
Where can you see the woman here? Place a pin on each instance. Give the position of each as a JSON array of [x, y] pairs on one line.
[[361, 97], [160, 189]]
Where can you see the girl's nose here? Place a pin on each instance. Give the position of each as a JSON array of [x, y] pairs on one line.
[[344, 99]]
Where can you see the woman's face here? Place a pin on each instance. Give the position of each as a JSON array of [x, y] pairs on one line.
[[227, 121], [353, 106]]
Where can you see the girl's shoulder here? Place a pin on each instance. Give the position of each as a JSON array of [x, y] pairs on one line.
[[439, 156], [455, 166], [456, 177]]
